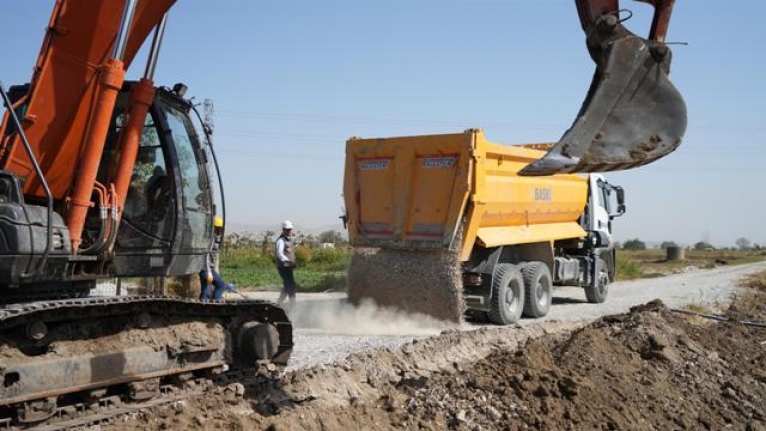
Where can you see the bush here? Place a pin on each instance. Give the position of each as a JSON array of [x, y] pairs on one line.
[[667, 244], [302, 255], [634, 244], [331, 256], [628, 269]]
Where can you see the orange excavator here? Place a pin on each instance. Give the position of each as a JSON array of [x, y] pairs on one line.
[[101, 178]]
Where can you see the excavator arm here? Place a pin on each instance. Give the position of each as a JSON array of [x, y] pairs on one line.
[[89, 44], [632, 115]]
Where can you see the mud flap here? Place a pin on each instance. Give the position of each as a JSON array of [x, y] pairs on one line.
[[632, 115]]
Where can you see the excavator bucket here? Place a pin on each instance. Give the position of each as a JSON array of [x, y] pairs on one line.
[[632, 115]]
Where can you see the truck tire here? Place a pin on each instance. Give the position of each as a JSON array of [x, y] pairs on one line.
[[598, 290], [507, 295], [538, 289]]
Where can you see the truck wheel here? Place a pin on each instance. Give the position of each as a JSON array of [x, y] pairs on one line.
[[538, 289], [507, 295], [598, 290]]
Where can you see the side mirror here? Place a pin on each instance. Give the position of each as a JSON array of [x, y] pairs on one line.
[[620, 201]]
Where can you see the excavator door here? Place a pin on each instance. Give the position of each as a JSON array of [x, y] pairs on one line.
[[167, 221], [632, 115]]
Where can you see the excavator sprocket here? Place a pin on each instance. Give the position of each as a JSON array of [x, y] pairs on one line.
[[632, 115]]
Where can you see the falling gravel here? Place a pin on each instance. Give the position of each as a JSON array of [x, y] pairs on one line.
[[425, 282]]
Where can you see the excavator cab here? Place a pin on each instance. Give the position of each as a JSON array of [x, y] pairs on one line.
[[168, 213], [166, 223], [632, 115]]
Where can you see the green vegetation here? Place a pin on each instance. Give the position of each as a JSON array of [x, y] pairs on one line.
[[627, 268], [318, 269]]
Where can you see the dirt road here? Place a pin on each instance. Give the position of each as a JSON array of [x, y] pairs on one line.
[[327, 329]]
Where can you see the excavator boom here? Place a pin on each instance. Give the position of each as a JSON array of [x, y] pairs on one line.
[[632, 115], [61, 101]]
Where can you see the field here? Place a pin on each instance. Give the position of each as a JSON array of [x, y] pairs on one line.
[[318, 270], [325, 269], [632, 264]]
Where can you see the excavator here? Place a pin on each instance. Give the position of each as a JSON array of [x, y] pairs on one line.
[[101, 177]]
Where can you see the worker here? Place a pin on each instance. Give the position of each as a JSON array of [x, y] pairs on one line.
[[285, 254], [157, 187], [212, 285]]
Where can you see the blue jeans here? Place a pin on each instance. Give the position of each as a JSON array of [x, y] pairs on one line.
[[208, 291]]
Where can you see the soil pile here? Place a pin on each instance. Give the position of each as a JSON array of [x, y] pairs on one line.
[[649, 369], [424, 282]]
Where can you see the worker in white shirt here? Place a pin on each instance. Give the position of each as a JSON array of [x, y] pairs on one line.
[[285, 254]]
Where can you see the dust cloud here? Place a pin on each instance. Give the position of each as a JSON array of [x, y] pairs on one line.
[[340, 317]]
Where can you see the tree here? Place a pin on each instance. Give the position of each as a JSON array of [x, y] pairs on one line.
[[268, 239], [743, 243], [666, 244], [634, 244], [330, 236]]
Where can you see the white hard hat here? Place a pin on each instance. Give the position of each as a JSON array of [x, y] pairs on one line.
[[287, 224]]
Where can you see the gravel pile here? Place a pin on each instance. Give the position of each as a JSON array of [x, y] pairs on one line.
[[426, 282]]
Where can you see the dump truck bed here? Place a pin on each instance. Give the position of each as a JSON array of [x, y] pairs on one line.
[[449, 192]]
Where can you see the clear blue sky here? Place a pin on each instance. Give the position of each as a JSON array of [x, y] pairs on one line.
[[291, 80]]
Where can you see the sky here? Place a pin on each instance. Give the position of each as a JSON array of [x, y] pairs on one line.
[[291, 80]]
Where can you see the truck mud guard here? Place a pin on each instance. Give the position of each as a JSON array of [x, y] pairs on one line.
[[632, 115]]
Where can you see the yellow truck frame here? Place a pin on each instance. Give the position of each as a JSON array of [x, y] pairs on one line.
[[516, 236]]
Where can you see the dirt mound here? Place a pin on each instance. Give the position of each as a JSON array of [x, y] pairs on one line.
[[646, 369], [426, 282]]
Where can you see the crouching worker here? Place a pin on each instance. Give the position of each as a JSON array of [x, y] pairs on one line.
[[211, 284]]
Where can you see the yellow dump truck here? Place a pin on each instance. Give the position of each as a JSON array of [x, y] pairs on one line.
[[456, 200]]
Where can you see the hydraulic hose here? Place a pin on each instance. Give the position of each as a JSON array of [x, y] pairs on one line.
[[719, 318]]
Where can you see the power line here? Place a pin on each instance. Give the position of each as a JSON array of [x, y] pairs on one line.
[[448, 122], [277, 155]]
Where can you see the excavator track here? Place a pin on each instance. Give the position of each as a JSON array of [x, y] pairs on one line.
[[63, 353], [107, 409]]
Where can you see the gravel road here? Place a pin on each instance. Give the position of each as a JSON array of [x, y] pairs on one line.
[[327, 329]]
